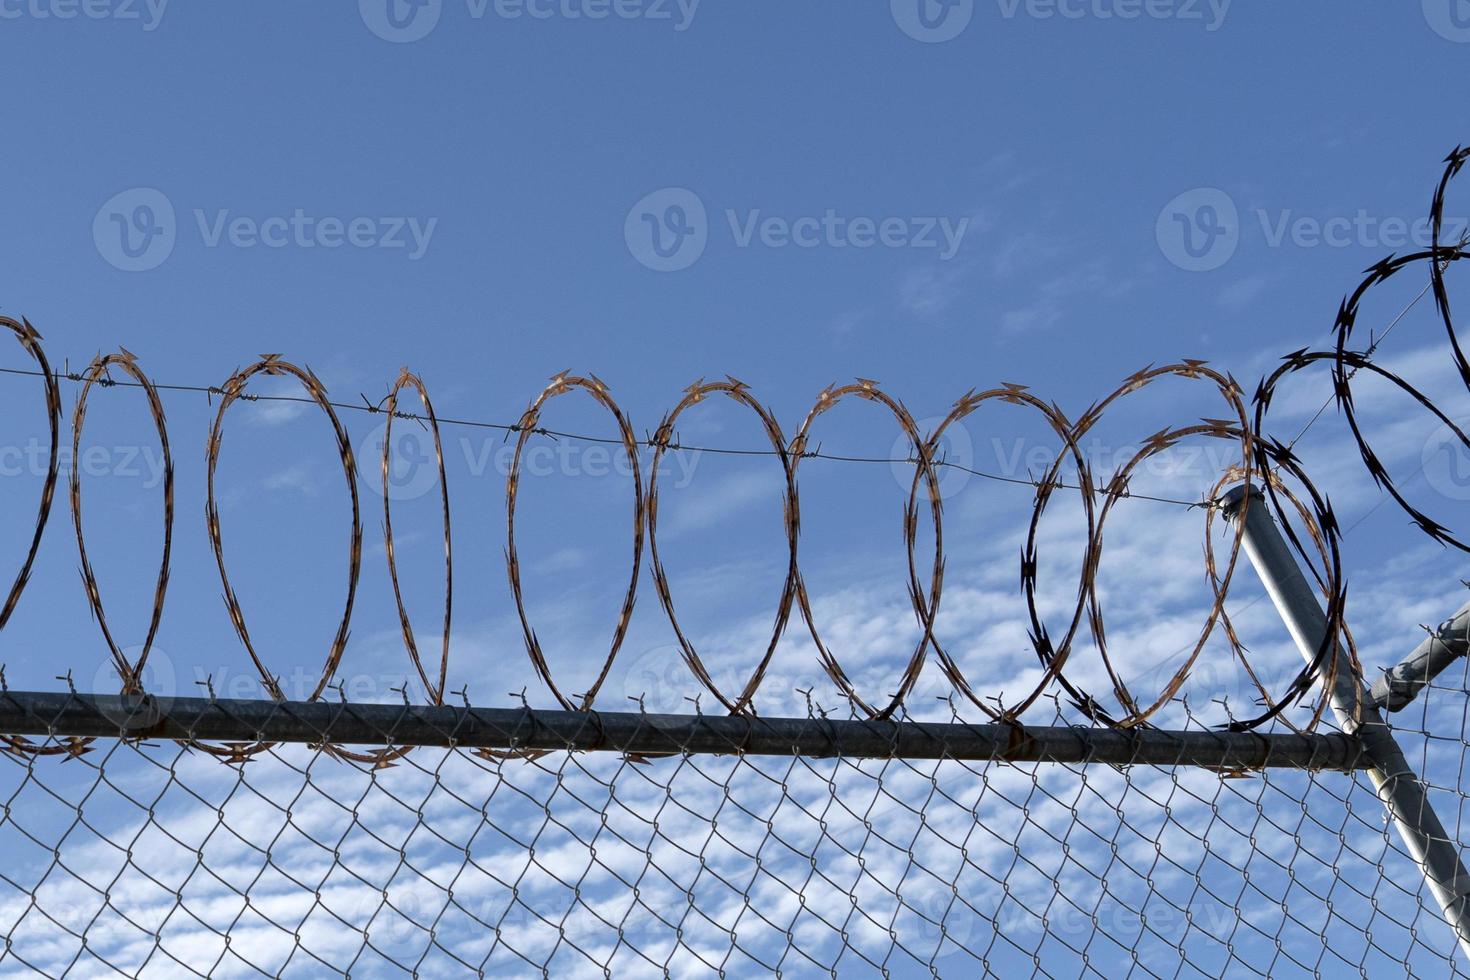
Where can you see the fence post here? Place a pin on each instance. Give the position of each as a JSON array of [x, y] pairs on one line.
[[1400, 789]]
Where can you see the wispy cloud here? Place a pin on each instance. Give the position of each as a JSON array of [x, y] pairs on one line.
[[708, 507], [930, 290], [1065, 294], [562, 560], [1027, 252], [1243, 292], [298, 478]]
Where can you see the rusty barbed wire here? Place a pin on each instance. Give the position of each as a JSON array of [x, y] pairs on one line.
[[385, 757], [1266, 464], [406, 378], [925, 600], [99, 372], [561, 384], [271, 365], [1098, 499], [30, 342], [1052, 659], [738, 392], [924, 612], [1116, 489]]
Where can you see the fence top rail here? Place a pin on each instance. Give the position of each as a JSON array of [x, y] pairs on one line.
[[74, 714]]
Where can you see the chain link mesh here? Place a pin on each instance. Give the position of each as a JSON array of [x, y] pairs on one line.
[[150, 859]]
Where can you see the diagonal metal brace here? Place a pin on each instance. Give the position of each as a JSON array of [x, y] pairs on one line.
[[1404, 795], [1397, 688]]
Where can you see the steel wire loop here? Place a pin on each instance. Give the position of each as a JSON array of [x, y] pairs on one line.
[[528, 426], [738, 392], [924, 612], [271, 365]]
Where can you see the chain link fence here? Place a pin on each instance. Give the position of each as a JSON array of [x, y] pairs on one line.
[[146, 857]]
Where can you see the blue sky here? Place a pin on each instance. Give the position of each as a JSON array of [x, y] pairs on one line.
[[1047, 193], [522, 149]]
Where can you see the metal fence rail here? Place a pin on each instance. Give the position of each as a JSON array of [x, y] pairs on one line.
[[60, 716]]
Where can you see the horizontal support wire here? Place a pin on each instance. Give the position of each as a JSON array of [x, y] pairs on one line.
[[77, 715]]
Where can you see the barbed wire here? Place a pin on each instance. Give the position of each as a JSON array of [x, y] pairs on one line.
[[649, 442], [271, 365], [408, 379], [740, 394], [1265, 462]]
